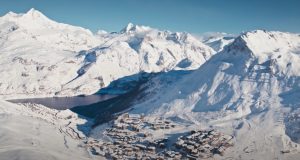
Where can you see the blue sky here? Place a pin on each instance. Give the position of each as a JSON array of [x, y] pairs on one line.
[[195, 16]]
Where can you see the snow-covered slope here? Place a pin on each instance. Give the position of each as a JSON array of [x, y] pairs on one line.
[[34, 53], [250, 90], [217, 41], [36, 132], [40, 57], [34, 27], [138, 49]]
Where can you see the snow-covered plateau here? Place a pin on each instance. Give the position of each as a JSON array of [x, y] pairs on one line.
[[245, 87]]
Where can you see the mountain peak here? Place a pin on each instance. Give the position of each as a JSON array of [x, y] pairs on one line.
[[264, 45], [129, 27], [32, 10], [134, 28], [34, 14], [10, 15], [30, 15]]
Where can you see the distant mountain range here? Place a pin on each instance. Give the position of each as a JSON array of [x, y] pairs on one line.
[[40, 57]]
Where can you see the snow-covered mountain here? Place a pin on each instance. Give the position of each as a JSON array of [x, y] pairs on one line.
[[217, 41], [246, 86], [138, 49], [34, 52], [34, 29], [40, 57], [250, 90]]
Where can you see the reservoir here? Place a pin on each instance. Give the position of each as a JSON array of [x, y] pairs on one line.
[[99, 107], [62, 103]]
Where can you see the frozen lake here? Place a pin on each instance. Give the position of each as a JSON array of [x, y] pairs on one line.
[[62, 103]]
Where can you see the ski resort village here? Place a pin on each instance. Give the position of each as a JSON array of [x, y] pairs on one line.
[[134, 136], [211, 80]]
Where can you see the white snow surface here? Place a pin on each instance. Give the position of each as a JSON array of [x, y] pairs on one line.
[[40, 57], [217, 40], [249, 90], [30, 132]]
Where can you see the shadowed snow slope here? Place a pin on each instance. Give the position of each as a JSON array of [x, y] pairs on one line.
[[250, 89], [138, 49], [40, 57]]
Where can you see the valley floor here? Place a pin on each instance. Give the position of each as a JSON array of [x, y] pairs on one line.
[[32, 131]]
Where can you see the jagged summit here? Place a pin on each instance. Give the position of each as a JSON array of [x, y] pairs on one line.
[[10, 14], [29, 12], [134, 50], [32, 19], [261, 58], [130, 28], [30, 15], [265, 44], [33, 13]]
